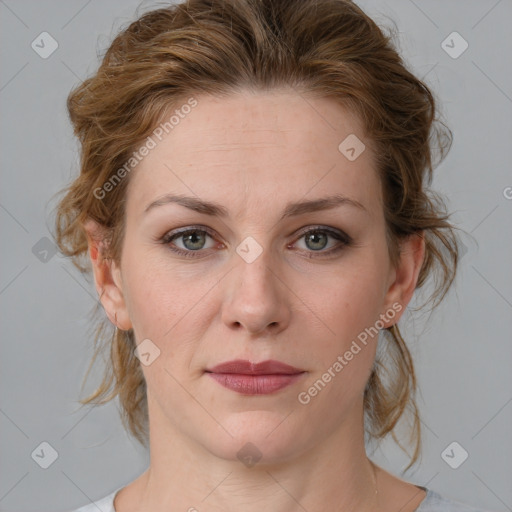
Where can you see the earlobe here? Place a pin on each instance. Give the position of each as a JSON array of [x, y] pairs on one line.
[[106, 277], [407, 270]]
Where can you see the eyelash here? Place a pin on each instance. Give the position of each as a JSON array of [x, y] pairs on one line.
[[342, 237]]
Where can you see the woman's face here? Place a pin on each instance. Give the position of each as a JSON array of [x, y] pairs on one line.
[[285, 259]]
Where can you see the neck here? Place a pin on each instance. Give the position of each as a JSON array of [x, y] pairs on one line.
[[183, 475]]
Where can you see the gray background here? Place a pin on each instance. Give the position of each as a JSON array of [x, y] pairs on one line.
[[463, 352]]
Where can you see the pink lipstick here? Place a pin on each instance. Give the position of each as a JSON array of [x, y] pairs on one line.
[[255, 378]]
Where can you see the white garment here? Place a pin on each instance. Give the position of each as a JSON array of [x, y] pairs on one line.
[[432, 502]]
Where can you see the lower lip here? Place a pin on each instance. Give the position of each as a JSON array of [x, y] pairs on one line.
[[254, 384]]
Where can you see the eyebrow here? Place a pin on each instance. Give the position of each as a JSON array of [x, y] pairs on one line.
[[291, 209]]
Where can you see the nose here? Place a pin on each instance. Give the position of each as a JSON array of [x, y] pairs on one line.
[[256, 298]]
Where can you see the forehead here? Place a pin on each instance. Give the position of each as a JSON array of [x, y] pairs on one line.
[[256, 147]]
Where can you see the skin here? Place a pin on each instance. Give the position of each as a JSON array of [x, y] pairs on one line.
[[254, 153]]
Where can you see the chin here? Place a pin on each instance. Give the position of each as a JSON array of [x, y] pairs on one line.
[[259, 437]]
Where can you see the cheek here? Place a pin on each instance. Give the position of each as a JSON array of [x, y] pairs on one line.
[[350, 314], [348, 299], [153, 298], [344, 354], [168, 305], [150, 308]]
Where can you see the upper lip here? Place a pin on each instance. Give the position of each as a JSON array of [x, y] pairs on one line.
[[244, 367]]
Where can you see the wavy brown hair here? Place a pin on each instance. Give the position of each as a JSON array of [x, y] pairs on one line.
[[328, 48]]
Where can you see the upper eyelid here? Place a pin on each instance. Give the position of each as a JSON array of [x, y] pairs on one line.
[[327, 229], [175, 233]]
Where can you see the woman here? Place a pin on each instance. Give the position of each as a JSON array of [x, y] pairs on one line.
[[254, 202]]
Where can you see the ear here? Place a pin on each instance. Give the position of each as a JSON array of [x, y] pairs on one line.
[[107, 277], [404, 278]]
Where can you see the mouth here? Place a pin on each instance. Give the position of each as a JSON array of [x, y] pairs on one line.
[[249, 378]]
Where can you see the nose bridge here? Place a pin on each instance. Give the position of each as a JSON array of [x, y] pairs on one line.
[[256, 278], [255, 299]]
